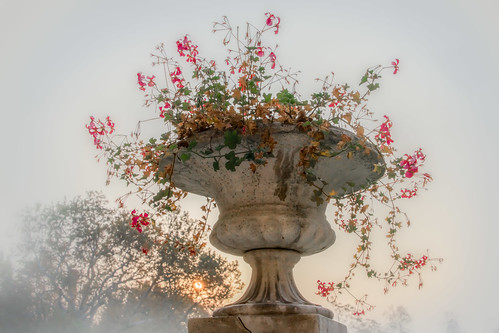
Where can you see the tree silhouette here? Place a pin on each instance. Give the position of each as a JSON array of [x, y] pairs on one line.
[[84, 269]]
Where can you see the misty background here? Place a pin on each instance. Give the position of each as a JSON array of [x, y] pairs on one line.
[[63, 61]]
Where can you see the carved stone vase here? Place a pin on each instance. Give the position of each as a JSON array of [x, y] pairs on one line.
[[269, 216]]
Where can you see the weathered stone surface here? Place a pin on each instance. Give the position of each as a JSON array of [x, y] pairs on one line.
[[272, 289], [303, 323], [268, 216], [273, 207]]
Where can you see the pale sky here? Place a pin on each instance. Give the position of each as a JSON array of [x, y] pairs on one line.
[[63, 61]]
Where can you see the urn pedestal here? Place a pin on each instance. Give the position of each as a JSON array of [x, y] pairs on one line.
[[269, 218]]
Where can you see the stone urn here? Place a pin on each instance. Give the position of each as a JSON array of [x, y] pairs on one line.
[[269, 218]]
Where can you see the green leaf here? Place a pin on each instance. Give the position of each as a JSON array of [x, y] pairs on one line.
[[351, 184], [231, 161], [285, 97], [216, 165], [231, 139], [317, 197], [373, 86], [364, 79], [185, 156], [192, 145], [267, 97]]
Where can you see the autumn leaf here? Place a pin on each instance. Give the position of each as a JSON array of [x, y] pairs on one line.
[[360, 131], [236, 93], [347, 117]]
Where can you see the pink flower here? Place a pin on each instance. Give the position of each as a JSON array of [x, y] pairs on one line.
[[140, 79], [323, 289], [384, 137], [272, 59], [410, 162], [151, 81], [139, 220], [270, 21], [163, 109], [395, 65], [97, 129], [406, 193], [110, 124], [175, 77], [259, 51], [191, 49]]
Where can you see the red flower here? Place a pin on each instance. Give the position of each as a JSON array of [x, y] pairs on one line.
[[259, 51], [140, 79], [191, 49], [139, 220], [406, 193], [151, 82], [384, 137], [272, 59], [323, 289], [163, 109], [270, 21], [395, 65], [175, 77], [410, 162], [97, 129], [110, 124]]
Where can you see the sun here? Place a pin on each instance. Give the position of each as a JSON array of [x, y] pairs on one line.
[[198, 285]]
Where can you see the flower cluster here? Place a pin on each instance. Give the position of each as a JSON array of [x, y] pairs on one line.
[[139, 220], [384, 137], [273, 21], [185, 48], [408, 193], [410, 162], [411, 264], [176, 77], [97, 129], [150, 81], [324, 289]]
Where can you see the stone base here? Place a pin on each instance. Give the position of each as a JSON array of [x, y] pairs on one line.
[[300, 323]]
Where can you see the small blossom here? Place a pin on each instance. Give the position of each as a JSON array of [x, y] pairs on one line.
[[323, 289], [191, 50], [395, 65], [139, 220], [175, 77], [97, 129], [410, 162], [259, 51], [274, 21], [272, 59], [384, 136], [151, 81], [140, 79], [406, 193]]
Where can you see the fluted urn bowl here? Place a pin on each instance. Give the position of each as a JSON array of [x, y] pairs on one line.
[[270, 216]]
